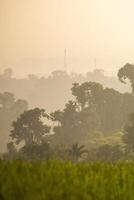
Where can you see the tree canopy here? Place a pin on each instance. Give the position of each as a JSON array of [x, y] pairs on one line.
[[29, 127], [127, 72]]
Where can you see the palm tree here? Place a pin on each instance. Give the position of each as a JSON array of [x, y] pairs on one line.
[[76, 151]]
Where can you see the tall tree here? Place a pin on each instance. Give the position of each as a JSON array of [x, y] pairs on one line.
[[75, 123], [29, 127], [87, 94], [76, 151], [127, 72]]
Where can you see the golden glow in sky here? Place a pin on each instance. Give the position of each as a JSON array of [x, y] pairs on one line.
[[89, 29]]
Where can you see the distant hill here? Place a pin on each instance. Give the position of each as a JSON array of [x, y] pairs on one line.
[[53, 91]]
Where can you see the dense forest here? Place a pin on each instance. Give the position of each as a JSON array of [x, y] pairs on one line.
[[95, 123], [66, 100], [51, 92]]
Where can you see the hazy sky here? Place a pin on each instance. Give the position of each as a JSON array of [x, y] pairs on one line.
[[34, 34]]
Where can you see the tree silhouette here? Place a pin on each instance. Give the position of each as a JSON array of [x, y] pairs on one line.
[[29, 127], [10, 109], [76, 151], [127, 72], [87, 93], [34, 151], [11, 151], [74, 125], [110, 153]]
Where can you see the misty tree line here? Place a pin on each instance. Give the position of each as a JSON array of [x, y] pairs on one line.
[[56, 86], [94, 113]]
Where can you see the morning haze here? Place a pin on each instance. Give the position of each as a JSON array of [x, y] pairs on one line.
[[34, 35], [66, 99]]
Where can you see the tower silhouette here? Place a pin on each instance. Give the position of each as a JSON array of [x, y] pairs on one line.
[[65, 60]]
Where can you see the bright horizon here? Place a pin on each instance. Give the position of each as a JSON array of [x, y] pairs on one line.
[[35, 33]]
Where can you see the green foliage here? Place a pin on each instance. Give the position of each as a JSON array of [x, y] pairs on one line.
[[11, 151], [109, 153], [128, 137], [74, 125], [87, 93], [76, 151], [29, 127], [35, 151], [110, 106], [54, 180], [93, 109]]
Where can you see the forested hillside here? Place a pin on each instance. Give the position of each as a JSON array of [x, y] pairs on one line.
[[54, 91]]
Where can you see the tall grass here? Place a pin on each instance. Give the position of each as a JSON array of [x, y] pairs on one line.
[[54, 180]]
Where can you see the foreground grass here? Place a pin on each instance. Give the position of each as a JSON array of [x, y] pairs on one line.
[[55, 180]]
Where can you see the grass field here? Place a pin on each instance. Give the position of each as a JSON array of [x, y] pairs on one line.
[[54, 180]]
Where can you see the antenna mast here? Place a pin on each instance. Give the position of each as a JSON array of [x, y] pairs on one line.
[[65, 60]]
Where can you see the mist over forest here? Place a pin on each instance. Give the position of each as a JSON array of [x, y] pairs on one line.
[[66, 100], [53, 93]]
